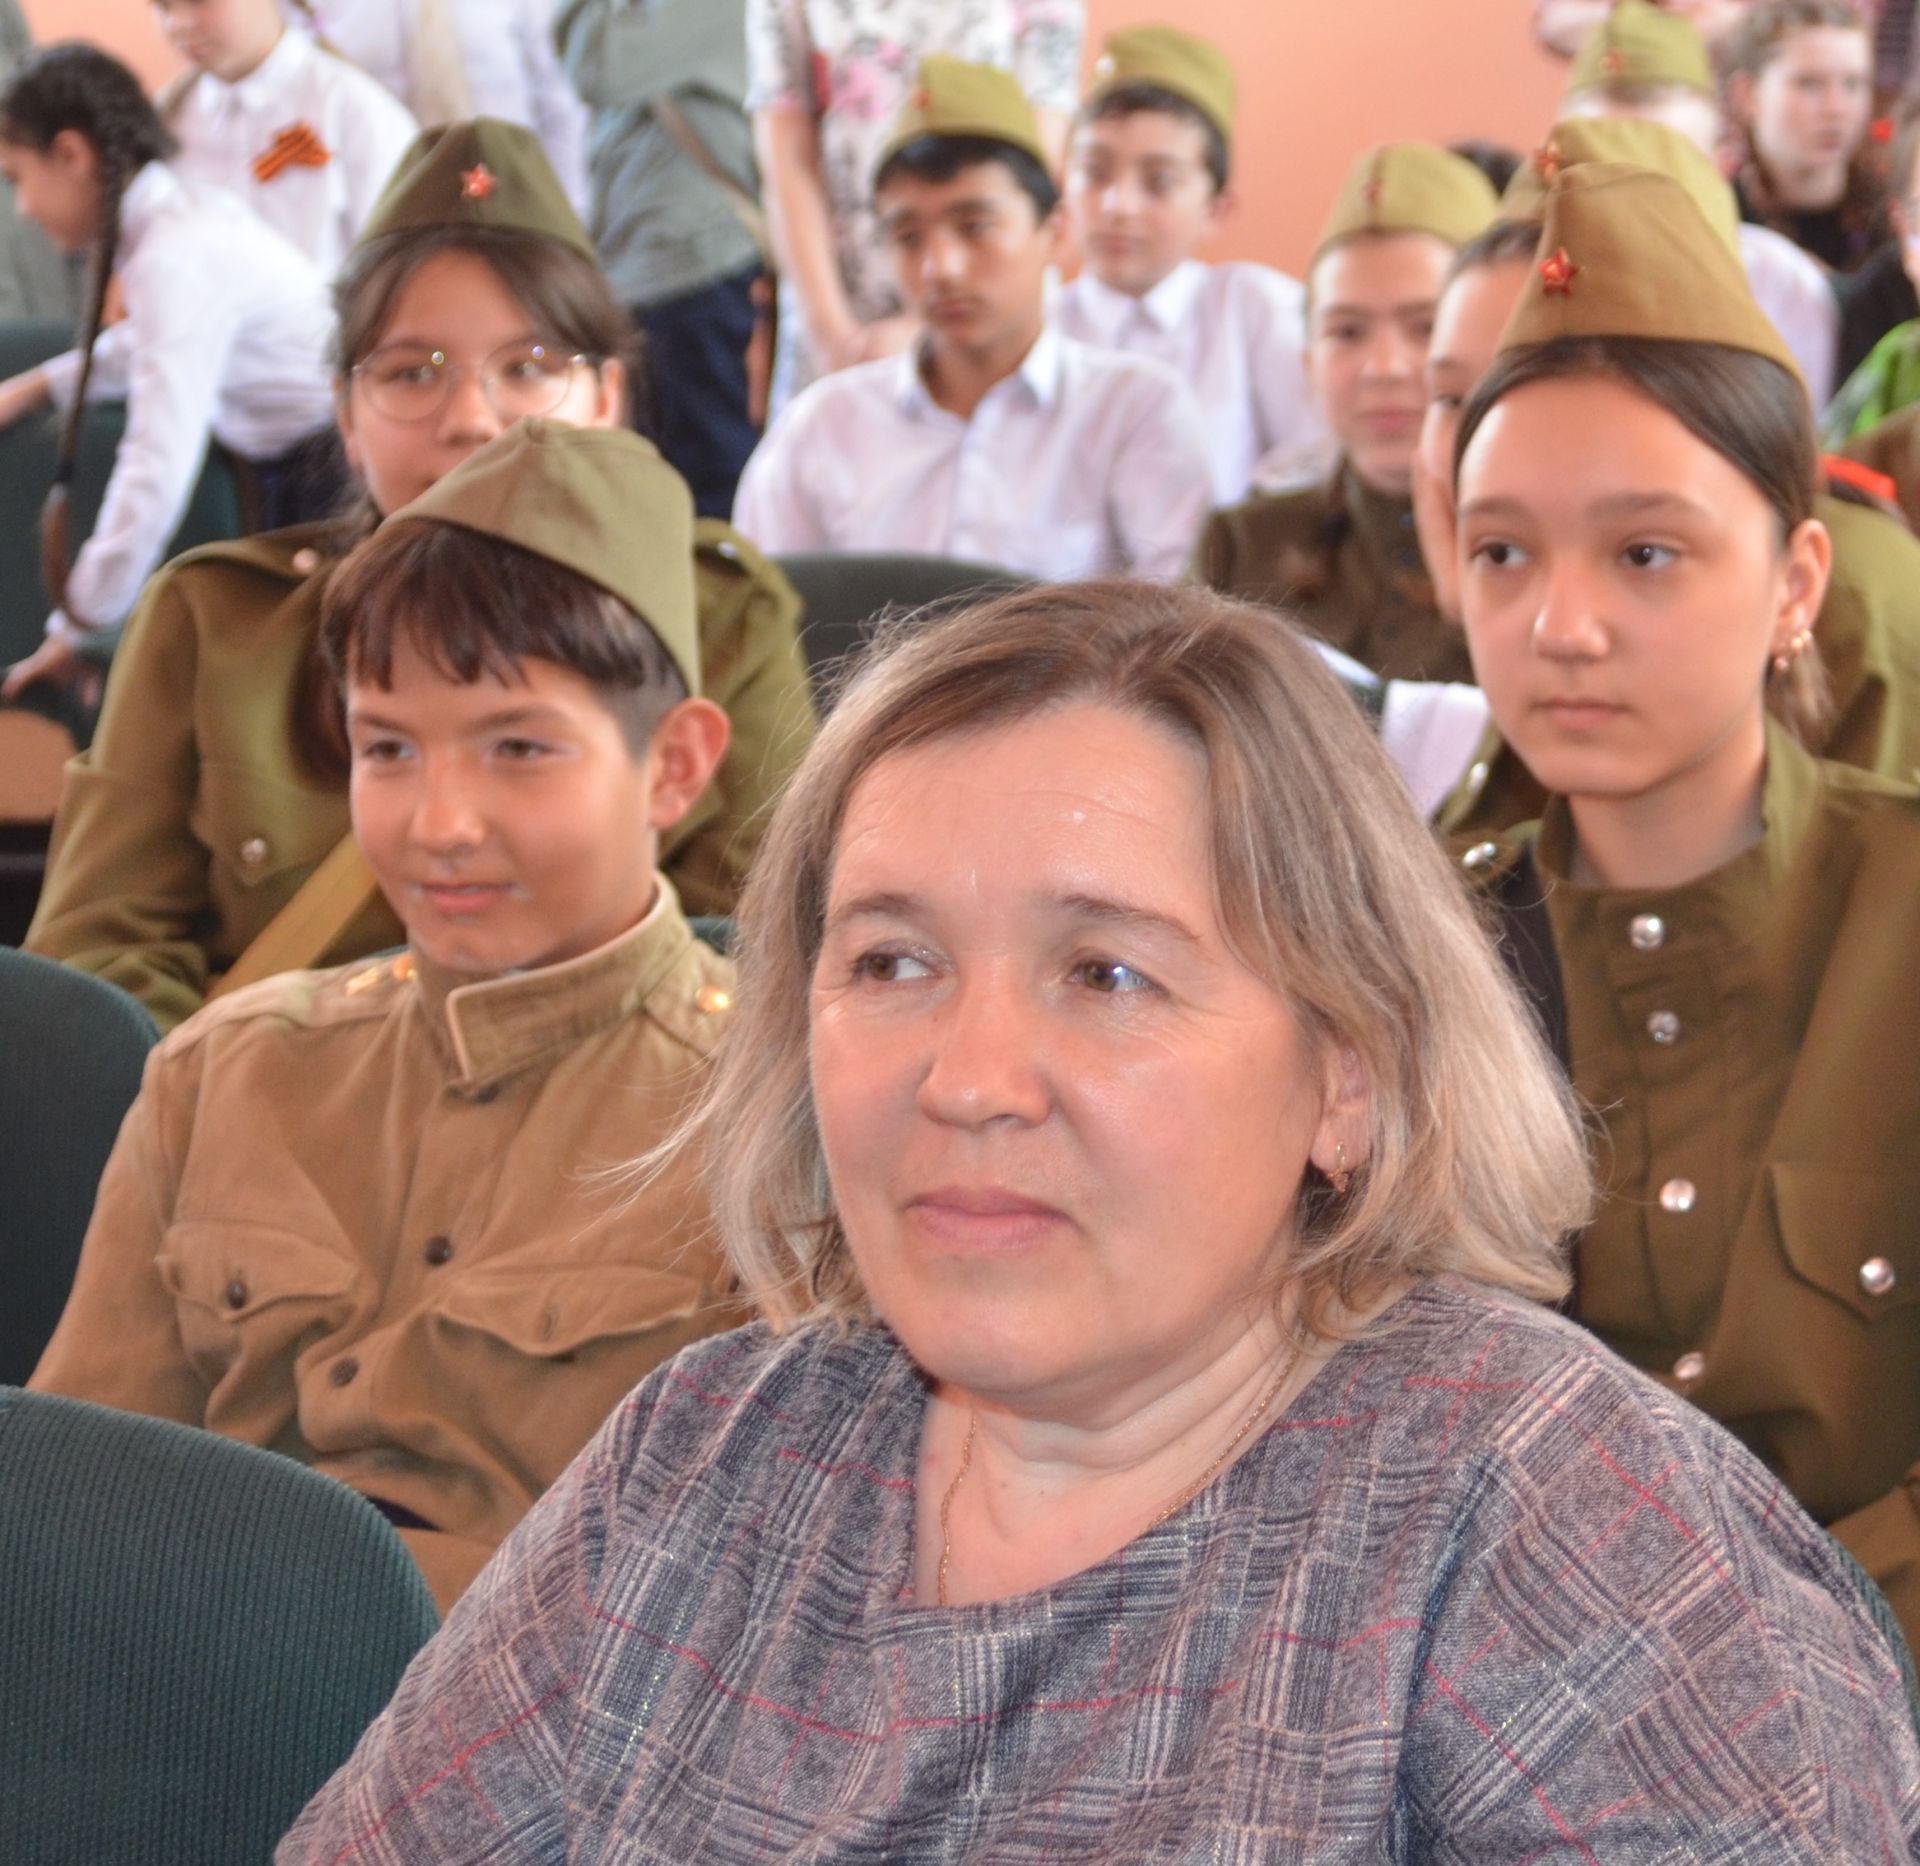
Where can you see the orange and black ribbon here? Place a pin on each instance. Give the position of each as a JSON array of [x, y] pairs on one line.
[[297, 147]]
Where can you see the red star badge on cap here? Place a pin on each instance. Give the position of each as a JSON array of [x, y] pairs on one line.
[[1558, 273], [1613, 63], [1546, 161], [476, 183], [922, 98]]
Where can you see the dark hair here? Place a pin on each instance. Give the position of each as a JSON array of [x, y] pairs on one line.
[[941, 158], [1749, 409], [1497, 161], [473, 607], [1132, 100], [1501, 244], [1762, 29], [83, 89]]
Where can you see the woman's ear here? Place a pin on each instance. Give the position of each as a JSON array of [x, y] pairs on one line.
[[1340, 1142], [1805, 566]]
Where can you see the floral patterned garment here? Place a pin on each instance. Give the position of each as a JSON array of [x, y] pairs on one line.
[[850, 63]]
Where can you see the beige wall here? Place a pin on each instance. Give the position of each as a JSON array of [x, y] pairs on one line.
[[1318, 83]]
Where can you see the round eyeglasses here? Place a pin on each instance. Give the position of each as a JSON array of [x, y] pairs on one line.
[[408, 382]]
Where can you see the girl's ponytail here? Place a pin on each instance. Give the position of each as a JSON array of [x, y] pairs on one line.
[[82, 89]]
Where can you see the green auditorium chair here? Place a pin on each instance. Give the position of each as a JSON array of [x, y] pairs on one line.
[[845, 593], [193, 1634], [71, 1051]]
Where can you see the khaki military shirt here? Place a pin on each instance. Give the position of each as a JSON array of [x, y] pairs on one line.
[[1344, 561], [1869, 638], [1746, 1045], [191, 820], [361, 1217]]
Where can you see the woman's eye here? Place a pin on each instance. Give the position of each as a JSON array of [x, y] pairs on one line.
[[1498, 554], [889, 968], [1649, 556], [1110, 977]]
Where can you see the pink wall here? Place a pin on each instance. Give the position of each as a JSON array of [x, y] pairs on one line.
[[1318, 83]]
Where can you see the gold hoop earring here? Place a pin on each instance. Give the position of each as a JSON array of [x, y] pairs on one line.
[[1342, 1175]]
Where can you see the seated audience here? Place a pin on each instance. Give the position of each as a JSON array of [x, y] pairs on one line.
[[1096, 937], [1147, 182], [447, 60], [354, 1214], [671, 163], [995, 438], [1869, 627], [1799, 90], [1342, 557], [1648, 64], [1715, 925], [224, 335], [206, 826], [1887, 378], [304, 138]]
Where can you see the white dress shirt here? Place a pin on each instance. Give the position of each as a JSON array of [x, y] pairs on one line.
[[226, 332], [507, 58], [224, 129], [1082, 463], [1793, 289], [1238, 335]]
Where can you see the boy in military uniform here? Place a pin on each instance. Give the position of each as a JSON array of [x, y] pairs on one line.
[[997, 438], [1147, 184], [1342, 556], [362, 1216]]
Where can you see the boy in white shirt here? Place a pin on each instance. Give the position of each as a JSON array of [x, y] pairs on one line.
[[304, 138], [997, 439], [1147, 184]]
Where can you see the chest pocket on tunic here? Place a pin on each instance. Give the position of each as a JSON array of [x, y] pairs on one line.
[[548, 1314], [244, 1292], [256, 827], [1854, 1235]]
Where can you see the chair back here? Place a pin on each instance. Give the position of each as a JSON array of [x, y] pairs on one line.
[[193, 1635], [845, 593], [71, 1051]]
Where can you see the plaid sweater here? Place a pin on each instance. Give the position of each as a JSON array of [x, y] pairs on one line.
[[1482, 1595]]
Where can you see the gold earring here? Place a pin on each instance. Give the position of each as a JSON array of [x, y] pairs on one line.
[[1342, 1175]]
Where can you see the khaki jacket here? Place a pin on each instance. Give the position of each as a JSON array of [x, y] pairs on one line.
[[1345, 563], [1746, 1045], [1869, 638], [191, 821], [358, 1216]]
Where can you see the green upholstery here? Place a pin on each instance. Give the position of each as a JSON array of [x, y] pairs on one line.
[[845, 593], [26, 471], [193, 1634], [71, 1051]]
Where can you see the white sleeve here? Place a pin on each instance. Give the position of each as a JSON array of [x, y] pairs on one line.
[[179, 331], [559, 117], [1160, 487], [771, 509], [111, 362]]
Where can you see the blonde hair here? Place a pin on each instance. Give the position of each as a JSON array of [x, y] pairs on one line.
[[1329, 888]]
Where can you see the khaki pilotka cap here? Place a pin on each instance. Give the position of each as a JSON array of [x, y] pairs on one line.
[[1623, 139], [1638, 43], [1192, 70], [600, 502], [1411, 188], [953, 98], [479, 173], [1624, 252]]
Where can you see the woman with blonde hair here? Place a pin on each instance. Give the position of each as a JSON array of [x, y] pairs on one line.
[[1155, 1448]]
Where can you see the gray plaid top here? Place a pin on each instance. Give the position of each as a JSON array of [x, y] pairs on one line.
[[1482, 1595]]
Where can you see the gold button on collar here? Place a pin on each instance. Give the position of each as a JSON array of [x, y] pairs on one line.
[[710, 1000], [1647, 932]]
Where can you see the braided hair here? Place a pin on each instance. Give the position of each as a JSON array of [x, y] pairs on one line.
[[81, 88]]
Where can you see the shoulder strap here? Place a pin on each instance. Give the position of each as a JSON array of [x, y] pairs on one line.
[[305, 929], [674, 121]]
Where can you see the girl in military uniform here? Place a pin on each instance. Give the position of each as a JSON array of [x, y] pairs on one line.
[[1718, 927], [204, 837]]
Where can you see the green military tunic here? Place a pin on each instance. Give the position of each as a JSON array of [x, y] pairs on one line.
[[1746, 1044], [191, 821], [1343, 561], [1869, 637]]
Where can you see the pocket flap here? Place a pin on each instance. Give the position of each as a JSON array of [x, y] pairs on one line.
[[1854, 1234], [548, 1312], [236, 1270]]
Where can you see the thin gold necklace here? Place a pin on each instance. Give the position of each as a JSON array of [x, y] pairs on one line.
[[1179, 1503]]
